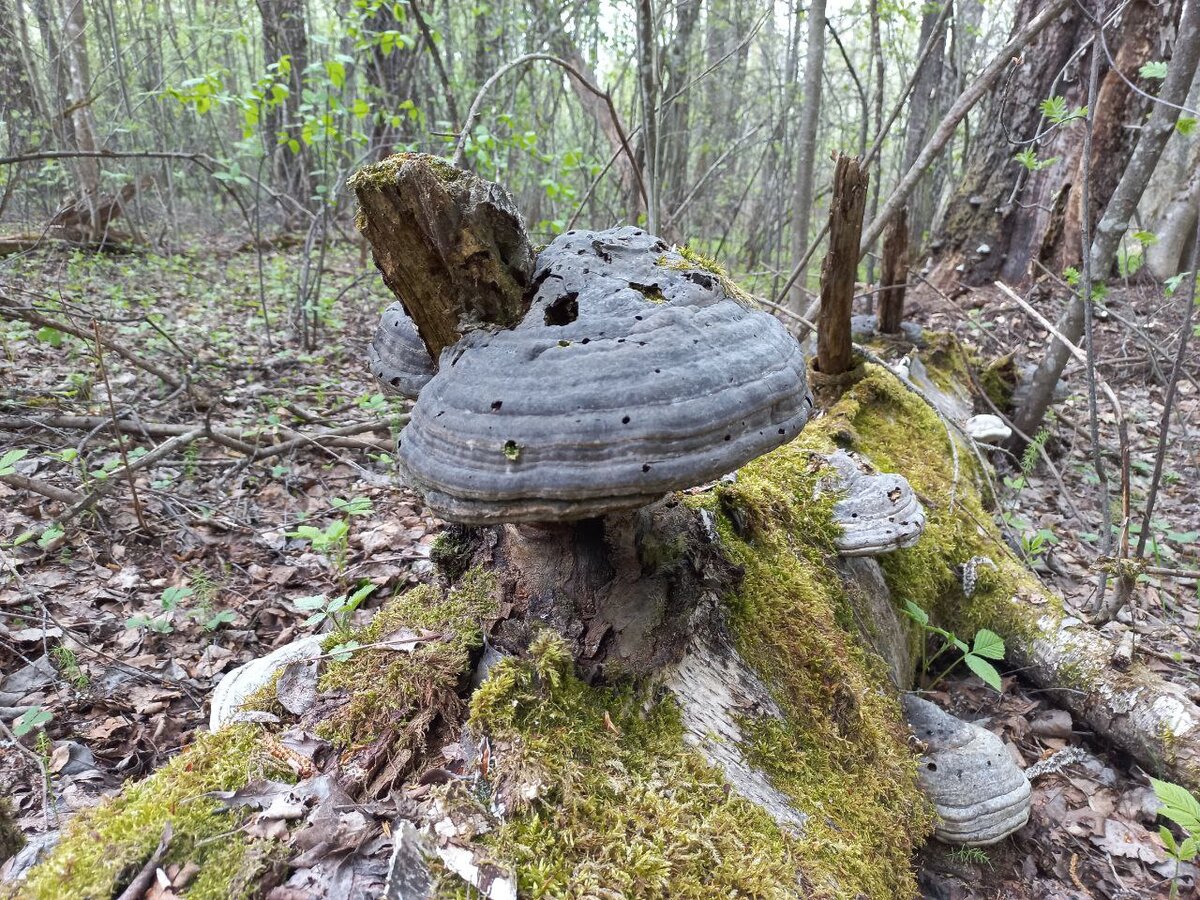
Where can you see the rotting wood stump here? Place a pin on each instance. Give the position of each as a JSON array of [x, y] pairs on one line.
[[893, 279], [613, 676], [840, 267]]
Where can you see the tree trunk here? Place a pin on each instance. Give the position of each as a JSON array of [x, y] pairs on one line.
[[840, 268], [285, 35], [1004, 215], [806, 147], [1117, 214], [451, 246], [648, 87], [926, 100], [82, 119], [1175, 230], [894, 276]]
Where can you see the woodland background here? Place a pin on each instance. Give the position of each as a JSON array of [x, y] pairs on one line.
[[178, 252]]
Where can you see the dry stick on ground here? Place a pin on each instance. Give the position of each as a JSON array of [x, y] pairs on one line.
[[41, 766], [840, 266], [10, 309], [38, 486], [162, 450], [112, 408], [234, 437]]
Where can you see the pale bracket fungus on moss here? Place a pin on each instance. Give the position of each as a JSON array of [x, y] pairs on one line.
[[396, 355], [626, 379], [979, 793], [878, 512]]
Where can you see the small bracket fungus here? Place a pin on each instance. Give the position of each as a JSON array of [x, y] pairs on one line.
[[397, 356], [980, 795], [878, 512], [987, 429], [633, 374]]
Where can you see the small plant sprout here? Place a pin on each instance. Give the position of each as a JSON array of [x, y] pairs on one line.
[[32, 719], [162, 623], [1182, 808], [9, 460], [337, 609], [987, 645]]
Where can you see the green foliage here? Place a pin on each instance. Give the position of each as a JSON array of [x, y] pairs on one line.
[[32, 719], [10, 459], [1156, 70], [1029, 159], [1055, 109], [987, 645], [1182, 808], [164, 622], [337, 610]]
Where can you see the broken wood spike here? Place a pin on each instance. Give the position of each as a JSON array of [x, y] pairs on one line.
[[840, 267]]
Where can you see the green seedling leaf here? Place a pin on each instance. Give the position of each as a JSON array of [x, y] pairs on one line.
[[32, 718], [989, 644], [1168, 840], [50, 535], [341, 652], [173, 596], [1185, 125], [316, 601], [359, 596], [9, 459], [1178, 804], [915, 613], [958, 642], [985, 670]]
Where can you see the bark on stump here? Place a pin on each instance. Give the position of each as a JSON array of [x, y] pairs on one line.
[[451, 246], [840, 267], [893, 280]]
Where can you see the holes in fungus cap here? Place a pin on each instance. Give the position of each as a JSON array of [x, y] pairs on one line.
[[645, 467], [496, 404], [624, 420], [563, 310]]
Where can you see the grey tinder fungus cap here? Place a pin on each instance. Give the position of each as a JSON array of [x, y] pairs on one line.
[[634, 373], [397, 356]]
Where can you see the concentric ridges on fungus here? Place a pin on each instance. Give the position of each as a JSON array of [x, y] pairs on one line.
[[397, 356], [633, 374], [878, 512], [980, 795]]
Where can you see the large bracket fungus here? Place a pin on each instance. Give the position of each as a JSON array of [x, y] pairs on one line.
[[633, 374], [396, 355], [980, 795]]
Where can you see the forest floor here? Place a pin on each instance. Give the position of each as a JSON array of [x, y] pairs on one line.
[[119, 630]]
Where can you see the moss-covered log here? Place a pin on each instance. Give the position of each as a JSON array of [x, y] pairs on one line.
[[764, 756]]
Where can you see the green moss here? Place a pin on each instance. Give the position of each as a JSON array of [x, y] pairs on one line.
[[390, 690], [623, 806], [691, 259], [840, 752], [104, 847], [898, 432], [383, 173], [998, 380]]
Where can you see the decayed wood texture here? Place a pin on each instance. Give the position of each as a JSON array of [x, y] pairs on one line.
[[841, 265], [893, 279], [451, 246]]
